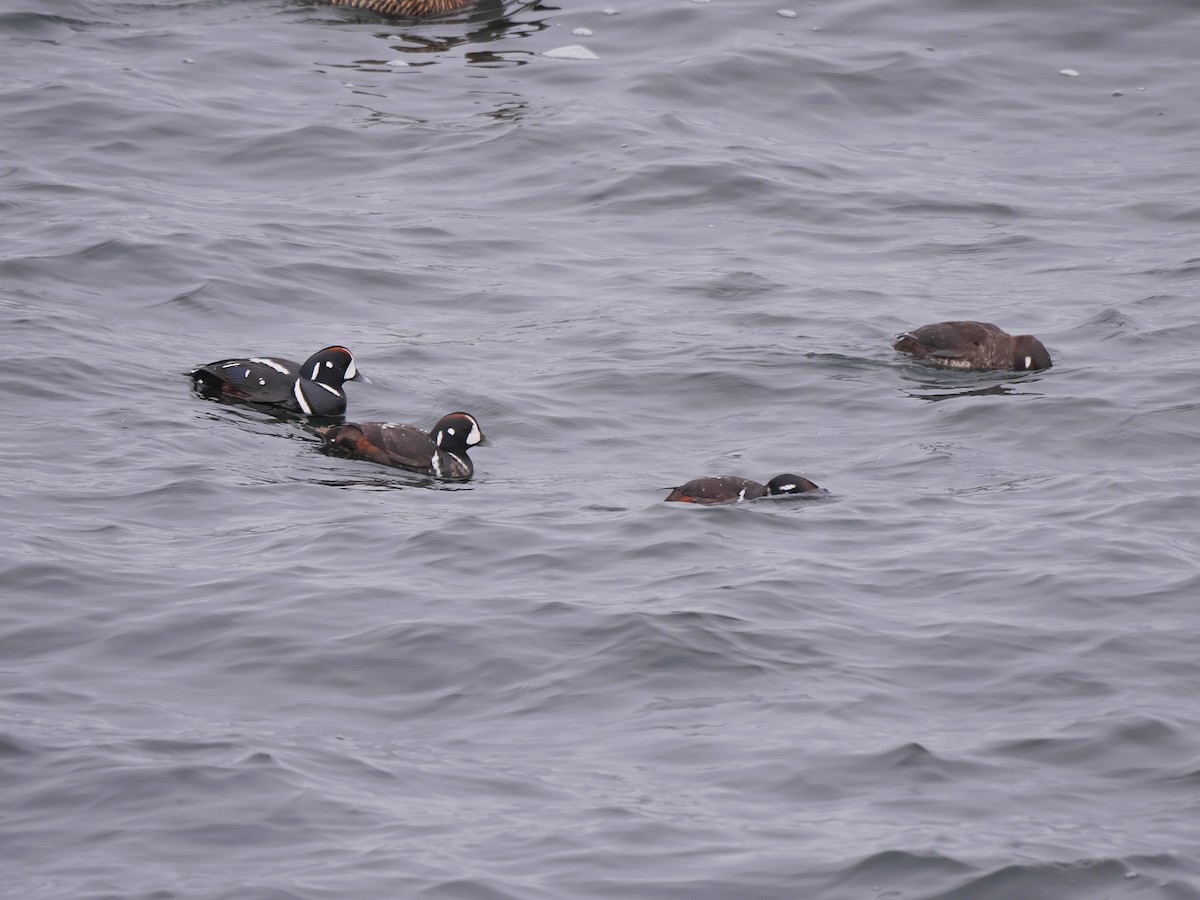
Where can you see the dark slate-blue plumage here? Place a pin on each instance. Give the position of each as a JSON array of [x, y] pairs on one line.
[[313, 387]]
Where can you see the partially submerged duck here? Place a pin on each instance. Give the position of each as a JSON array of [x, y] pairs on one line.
[[731, 489], [974, 345]]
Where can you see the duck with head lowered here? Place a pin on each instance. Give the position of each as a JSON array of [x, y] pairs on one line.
[[732, 489], [974, 345]]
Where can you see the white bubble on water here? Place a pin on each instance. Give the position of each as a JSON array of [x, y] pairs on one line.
[[582, 32], [571, 51], [786, 13], [1070, 73]]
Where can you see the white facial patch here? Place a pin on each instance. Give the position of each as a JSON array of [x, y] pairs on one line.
[[1028, 361], [299, 395], [351, 371], [262, 381], [475, 436], [270, 364]]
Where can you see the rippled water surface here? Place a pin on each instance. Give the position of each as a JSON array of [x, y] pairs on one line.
[[234, 667]]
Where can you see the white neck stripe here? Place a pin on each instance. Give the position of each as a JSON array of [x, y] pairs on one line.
[[299, 395]]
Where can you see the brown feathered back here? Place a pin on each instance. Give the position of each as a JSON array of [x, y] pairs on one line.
[[411, 9]]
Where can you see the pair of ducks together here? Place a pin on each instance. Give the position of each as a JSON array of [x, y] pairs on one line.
[[314, 388], [950, 345]]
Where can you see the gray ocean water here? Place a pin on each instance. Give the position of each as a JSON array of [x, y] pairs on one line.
[[234, 668]]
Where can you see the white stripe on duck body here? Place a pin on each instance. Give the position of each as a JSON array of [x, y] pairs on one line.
[[313, 387], [408, 9], [732, 489], [974, 345], [439, 453]]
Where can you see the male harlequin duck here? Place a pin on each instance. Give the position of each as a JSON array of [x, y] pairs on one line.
[[730, 488], [313, 387], [442, 453], [974, 345], [409, 9]]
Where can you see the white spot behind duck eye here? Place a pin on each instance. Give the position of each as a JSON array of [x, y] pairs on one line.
[[449, 431], [262, 381], [1028, 361]]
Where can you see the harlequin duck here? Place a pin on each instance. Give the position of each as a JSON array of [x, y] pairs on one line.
[[408, 9], [730, 488], [442, 453], [313, 387], [974, 345]]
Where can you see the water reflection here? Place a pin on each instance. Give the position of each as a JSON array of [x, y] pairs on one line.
[[948, 385], [507, 108], [420, 42], [367, 483]]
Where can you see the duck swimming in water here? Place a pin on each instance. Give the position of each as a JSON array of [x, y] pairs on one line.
[[974, 345]]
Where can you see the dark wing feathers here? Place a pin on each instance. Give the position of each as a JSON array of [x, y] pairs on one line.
[[407, 445], [246, 379]]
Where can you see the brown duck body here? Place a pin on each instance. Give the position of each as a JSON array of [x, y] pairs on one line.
[[440, 453], [409, 9], [732, 489], [974, 345]]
